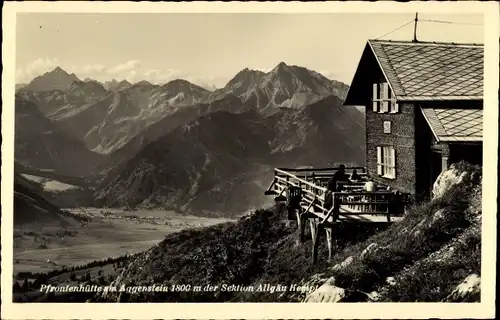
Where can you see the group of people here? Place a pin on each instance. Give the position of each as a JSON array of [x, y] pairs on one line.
[[340, 178]]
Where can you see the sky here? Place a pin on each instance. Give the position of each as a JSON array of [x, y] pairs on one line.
[[210, 48]]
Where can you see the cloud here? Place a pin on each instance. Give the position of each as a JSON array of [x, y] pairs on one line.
[[125, 67], [329, 74], [265, 70], [92, 69], [36, 68]]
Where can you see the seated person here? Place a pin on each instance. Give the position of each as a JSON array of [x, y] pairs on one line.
[[355, 176], [369, 186]]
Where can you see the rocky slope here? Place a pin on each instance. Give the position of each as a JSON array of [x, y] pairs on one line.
[[33, 211], [191, 159], [324, 133], [116, 85], [432, 255], [180, 117], [42, 144], [284, 86], [19, 86], [221, 162]]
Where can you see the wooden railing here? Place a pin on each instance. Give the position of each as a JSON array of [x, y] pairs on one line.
[[354, 200], [312, 201]]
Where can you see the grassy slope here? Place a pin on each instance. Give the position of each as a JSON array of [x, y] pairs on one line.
[[259, 249]]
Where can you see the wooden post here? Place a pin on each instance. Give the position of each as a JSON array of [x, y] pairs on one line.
[[300, 226], [315, 233], [444, 163], [336, 202], [312, 226], [445, 153], [329, 239], [390, 207]]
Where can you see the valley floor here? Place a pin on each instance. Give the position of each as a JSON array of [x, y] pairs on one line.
[[109, 233]]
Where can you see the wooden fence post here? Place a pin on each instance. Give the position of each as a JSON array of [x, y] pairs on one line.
[[315, 233], [300, 226], [390, 207], [329, 238]]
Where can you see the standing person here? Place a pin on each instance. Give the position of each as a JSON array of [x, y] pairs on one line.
[[337, 176], [332, 185]]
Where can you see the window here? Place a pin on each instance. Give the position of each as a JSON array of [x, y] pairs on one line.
[[383, 99], [386, 162]]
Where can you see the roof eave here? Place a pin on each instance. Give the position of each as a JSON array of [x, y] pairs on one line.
[[381, 67], [430, 126], [351, 98], [438, 98], [461, 139]]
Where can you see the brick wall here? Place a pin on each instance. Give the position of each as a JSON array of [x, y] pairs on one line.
[[402, 138]]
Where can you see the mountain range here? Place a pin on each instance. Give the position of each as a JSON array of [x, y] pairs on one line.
[[181, 146], [107, 116], [226, 158]]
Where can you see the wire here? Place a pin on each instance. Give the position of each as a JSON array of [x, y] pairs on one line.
[[404, 25], [451, 22]]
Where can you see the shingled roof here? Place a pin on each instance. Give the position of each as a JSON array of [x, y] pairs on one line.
[[431, 71], [459, 125]]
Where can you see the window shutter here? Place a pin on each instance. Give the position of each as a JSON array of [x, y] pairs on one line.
[[374, 97], [385, 97], [379, 161], [395, 107], [393, 159]]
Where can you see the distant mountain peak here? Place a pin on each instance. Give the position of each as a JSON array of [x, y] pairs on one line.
[[179, 81], [282, 64], [181, 85], [280, 67], [245, 78], [143, 83], [57, 79], [59, 69]]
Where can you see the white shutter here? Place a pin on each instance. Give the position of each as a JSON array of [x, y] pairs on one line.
[[379, 161], [385, 97], [374, 97], [393, 162], [395, 107]]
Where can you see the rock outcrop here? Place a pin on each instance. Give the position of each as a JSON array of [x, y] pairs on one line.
[[457, 174], [468, 290]]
